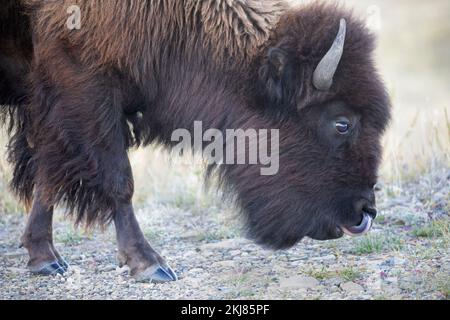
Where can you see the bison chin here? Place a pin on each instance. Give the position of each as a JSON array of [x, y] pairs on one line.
[[278, 212], [277, 215], [274, 223], [282, 227]]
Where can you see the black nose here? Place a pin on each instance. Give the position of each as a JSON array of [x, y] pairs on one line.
[[366, 203]]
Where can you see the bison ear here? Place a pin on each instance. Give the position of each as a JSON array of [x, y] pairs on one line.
[[272, 73]]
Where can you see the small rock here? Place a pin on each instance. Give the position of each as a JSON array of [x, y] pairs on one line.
[[190, 253], [14, 254], [235, 253], [299, 282], [437, 197], [335, 281], [225, 244], [394, 262], [298, 258], [327, 258], [391, 280], [74, 257], [191, 234], [122, 270], [196, 271], [194, 283], [399, 222], [224, 264], [17, 270], [108, 268], [374, 264], [351, 287], [334, 289]]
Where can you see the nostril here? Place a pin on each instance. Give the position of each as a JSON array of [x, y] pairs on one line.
[[372, 211], [366, 206]]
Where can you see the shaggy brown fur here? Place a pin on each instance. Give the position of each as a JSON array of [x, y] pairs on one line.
[[15, 52], [156, 66]]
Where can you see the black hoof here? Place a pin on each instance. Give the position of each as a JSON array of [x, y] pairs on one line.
[[158, 274], [64, 264], [48, 269]]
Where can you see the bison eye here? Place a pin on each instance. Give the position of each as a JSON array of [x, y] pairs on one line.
[[342, 126]]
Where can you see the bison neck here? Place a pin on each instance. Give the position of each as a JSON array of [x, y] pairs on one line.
[[198, 97]]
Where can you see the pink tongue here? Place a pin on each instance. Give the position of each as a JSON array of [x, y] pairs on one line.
[[360, 229]]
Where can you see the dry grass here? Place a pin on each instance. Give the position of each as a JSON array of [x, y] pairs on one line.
[[8, 202]]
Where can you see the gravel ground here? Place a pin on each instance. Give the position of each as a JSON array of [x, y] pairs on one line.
[[406, 256]]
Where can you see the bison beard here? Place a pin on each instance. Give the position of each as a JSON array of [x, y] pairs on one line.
[[136, 72]]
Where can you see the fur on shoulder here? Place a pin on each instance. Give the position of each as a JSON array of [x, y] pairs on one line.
[[238, 27]]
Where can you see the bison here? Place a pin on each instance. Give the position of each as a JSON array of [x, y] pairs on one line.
[[129, 73]]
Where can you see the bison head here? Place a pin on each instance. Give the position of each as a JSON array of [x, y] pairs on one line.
[[317, 81]]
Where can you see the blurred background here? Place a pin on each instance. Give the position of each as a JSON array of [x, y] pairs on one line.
[[413, 56], [414, 59]]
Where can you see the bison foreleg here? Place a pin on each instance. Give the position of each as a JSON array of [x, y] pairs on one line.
[[38, 240], [134, 250]]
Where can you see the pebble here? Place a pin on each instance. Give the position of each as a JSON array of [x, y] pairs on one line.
[[190, 235], [299, 282], [391, 279], [17, 270], [122, 270], [108, 268], [221, 245], [235, 253], [226, 264], [334, 281], [326, 258], [196, 271], [351, 287], [14, 254], [394, 262]]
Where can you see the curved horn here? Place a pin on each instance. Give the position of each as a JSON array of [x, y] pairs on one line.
[[324, 73]]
